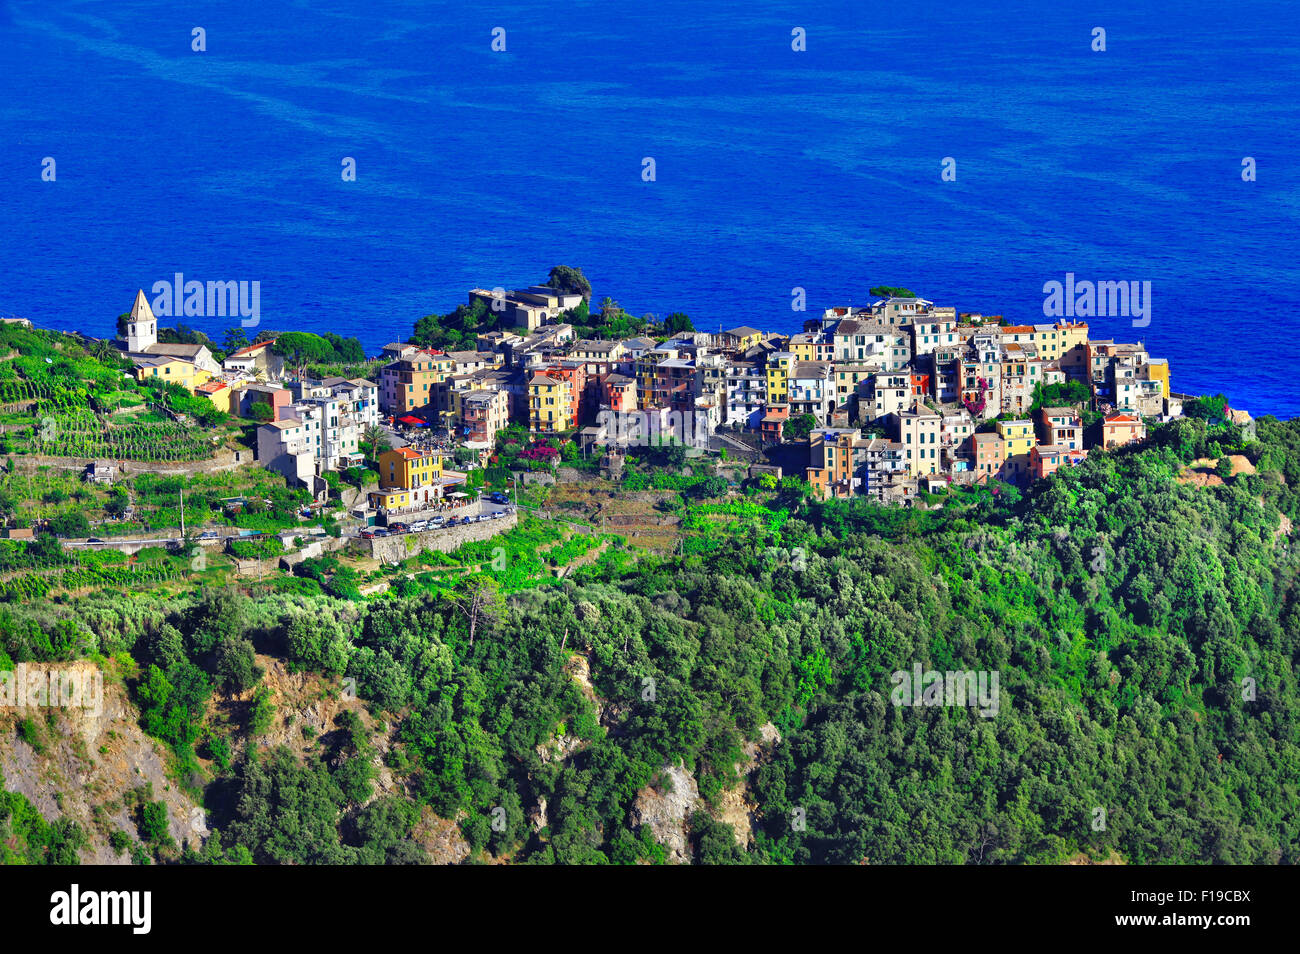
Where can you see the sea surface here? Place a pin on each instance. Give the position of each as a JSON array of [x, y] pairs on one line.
[[774, 169]]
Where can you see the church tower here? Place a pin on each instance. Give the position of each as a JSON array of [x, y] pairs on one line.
[[141, 327]]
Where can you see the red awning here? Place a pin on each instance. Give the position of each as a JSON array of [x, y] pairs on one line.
[[410, 419]]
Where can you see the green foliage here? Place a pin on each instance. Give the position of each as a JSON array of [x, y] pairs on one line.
[[1121, 610], [153, 825], [1064, 394], [26, 838], [301, 348], [564, 278], [676, 323], [264, 547], [799, 427], [455, 330], [260, 711]]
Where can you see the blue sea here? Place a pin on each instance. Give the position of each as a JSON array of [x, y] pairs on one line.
[[774, 169]]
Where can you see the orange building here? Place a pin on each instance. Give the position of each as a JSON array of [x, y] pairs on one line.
[[1120, 428]]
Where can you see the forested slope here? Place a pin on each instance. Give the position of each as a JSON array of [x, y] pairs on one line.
[[1145, 634]]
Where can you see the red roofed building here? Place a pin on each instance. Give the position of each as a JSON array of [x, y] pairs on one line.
[[218, 392], [1120, 428], [257, 360]]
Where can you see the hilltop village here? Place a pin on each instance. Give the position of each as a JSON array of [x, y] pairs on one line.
[[410, 588], [891, 399]]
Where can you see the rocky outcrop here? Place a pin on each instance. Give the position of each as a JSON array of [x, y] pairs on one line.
[[441, 838], [667, 809], [85, 761], [733, 804]]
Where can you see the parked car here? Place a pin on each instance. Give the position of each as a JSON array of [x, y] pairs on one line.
[[94, 540], [399, 528], [497, 514], [420, 526], [499, 497], [381, 532], [368, 533], [437, 520], [209, 535]]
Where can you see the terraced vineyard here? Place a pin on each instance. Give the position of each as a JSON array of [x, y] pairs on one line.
[[78, 432]]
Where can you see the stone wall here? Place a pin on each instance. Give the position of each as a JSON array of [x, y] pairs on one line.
[[224, 460], [396, 548]]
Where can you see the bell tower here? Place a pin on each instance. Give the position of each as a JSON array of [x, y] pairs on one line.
[[142, 327]]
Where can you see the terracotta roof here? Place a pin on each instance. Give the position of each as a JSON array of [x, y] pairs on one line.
[[252, 349]]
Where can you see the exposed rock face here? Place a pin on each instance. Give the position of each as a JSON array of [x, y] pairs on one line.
[[666, 812], [441, 838], [308, 701], [732, 806], [538, 816], [579, 669], [71, 777], [559, 748]]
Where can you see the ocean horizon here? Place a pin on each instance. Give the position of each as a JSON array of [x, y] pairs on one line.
[[775, 169]]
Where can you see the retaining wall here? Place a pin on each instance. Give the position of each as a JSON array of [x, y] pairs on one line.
[[396, 548]]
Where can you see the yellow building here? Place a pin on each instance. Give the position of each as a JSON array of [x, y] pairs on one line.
[[744, 337], [414, 383], [849, 378], [919, 431], [811, 346], [220, 394], [398, 498], [407, 468], [780, 364], [550, 404], [164, 368], [1018, 439], [1158, 370]]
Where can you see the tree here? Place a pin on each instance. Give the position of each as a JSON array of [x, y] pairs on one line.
[[1212, 410], [262, 411], [117, 502], [799, 427], [236, 665], [889, 291], [677, 322], [103, 352], [609, 309], [260, 711], [569, 280], [301, 348], [1064, 394], [154, 827], [375, 436], [1224, 467], [714, 486], [233, 339], [479, 602], [70, 524]]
